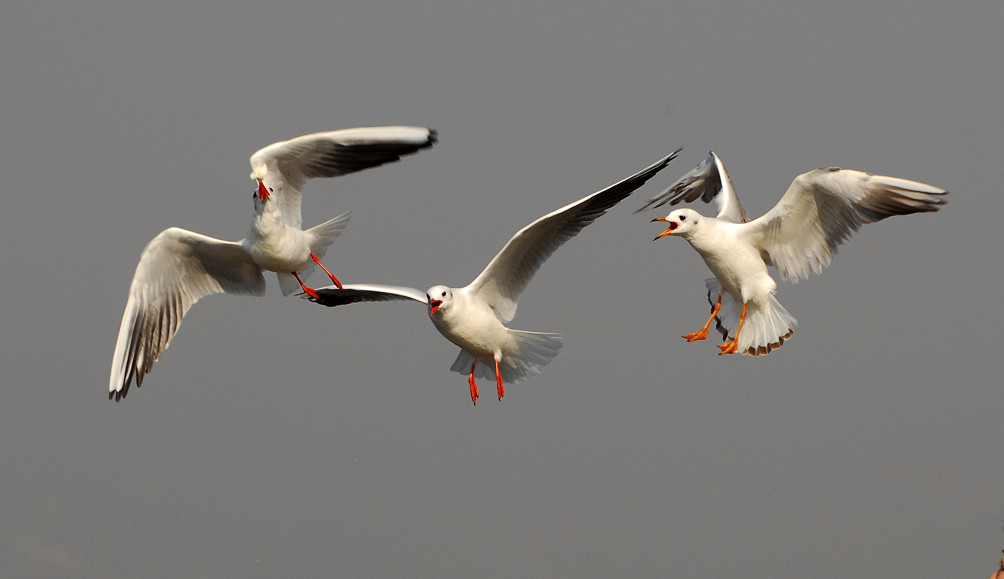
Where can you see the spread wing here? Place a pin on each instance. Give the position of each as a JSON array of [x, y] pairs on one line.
[[824, 207], [285, 166], [708, 182], [331, 296], [177, 268], [507, 274]]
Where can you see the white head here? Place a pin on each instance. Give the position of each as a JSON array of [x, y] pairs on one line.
[[682, 222], [258, 176], [440, 298]]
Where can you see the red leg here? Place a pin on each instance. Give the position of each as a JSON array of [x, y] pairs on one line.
[[731, 346], [331, 275], [474, 386], [703, 332], [310, 291], [498, 378]]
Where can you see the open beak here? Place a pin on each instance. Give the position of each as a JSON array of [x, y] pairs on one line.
[[434, 305], [263, 191], [669, 230]]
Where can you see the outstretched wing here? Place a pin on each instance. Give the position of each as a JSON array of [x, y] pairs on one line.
[[708, 182], [285, 166], [505, 277], [177, 268], [823, 207], [331, 296]]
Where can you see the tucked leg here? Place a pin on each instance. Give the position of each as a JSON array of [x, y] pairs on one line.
[[731, 346], [474, 385], [703, 332], [498, 379], [331, 275]]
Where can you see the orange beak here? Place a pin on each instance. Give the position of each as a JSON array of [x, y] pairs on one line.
[[263, 191], [669, 230], [434, 306]]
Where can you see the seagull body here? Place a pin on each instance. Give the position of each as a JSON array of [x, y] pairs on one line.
[[798, 236], [276, 241], [179, 267], [476, 317]]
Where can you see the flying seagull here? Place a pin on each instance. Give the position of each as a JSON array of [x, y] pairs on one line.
[[798, 236], [178, 267], [476, 317]]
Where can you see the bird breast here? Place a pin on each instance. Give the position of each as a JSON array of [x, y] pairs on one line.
[[275, 246], [737, 264], [473, 328]]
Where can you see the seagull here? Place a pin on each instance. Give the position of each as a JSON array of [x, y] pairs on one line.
[[476, 317], [178, 267], [799, 236]]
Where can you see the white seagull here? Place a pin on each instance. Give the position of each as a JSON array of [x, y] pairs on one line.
[[178, 267], [798, 236], [476, 317]]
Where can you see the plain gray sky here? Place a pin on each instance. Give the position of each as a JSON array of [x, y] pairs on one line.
[[277, 438]]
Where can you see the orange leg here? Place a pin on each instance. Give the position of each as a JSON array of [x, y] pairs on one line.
[[703, 332], [310, 291], [731, 346], [498, 378], [331, 275], [474, 386]]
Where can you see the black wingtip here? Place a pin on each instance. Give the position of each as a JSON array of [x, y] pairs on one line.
[[328, 297]]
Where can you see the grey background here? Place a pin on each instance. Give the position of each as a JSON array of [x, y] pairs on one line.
[[276, 438]]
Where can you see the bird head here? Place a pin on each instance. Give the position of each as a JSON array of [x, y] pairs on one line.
[[440, 298], [258, 175], [263, 192], [681, 222]]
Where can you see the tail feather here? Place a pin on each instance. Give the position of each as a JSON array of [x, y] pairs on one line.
[[288, 283], [766, 328], [324, 235], [535, 350]]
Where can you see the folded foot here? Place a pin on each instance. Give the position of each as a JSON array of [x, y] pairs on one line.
[[498, 379], [474, 385]]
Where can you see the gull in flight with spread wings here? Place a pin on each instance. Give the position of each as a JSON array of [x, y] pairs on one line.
[[798, 236], [476, 317], [178, 267]]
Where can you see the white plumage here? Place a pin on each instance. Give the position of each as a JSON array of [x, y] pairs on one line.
[[799, 236], [178, 267], [476, 317]]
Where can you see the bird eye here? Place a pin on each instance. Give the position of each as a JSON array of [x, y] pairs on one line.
[[444, 294], [683, 218]]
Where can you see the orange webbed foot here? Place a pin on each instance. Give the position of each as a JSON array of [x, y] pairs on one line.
[[474, 385], [498, 379], [729, 347], [695, 336]]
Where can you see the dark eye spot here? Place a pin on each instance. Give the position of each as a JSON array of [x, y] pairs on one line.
[[683, 218], [444, 294]]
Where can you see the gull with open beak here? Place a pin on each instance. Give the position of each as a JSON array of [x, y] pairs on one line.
[[798, 236]]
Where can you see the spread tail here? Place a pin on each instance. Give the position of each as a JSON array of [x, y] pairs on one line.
[[535, 350], [767, 325]]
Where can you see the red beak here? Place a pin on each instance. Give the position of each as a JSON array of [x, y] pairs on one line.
[[263, 191], [669, 230], [435, 306]]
